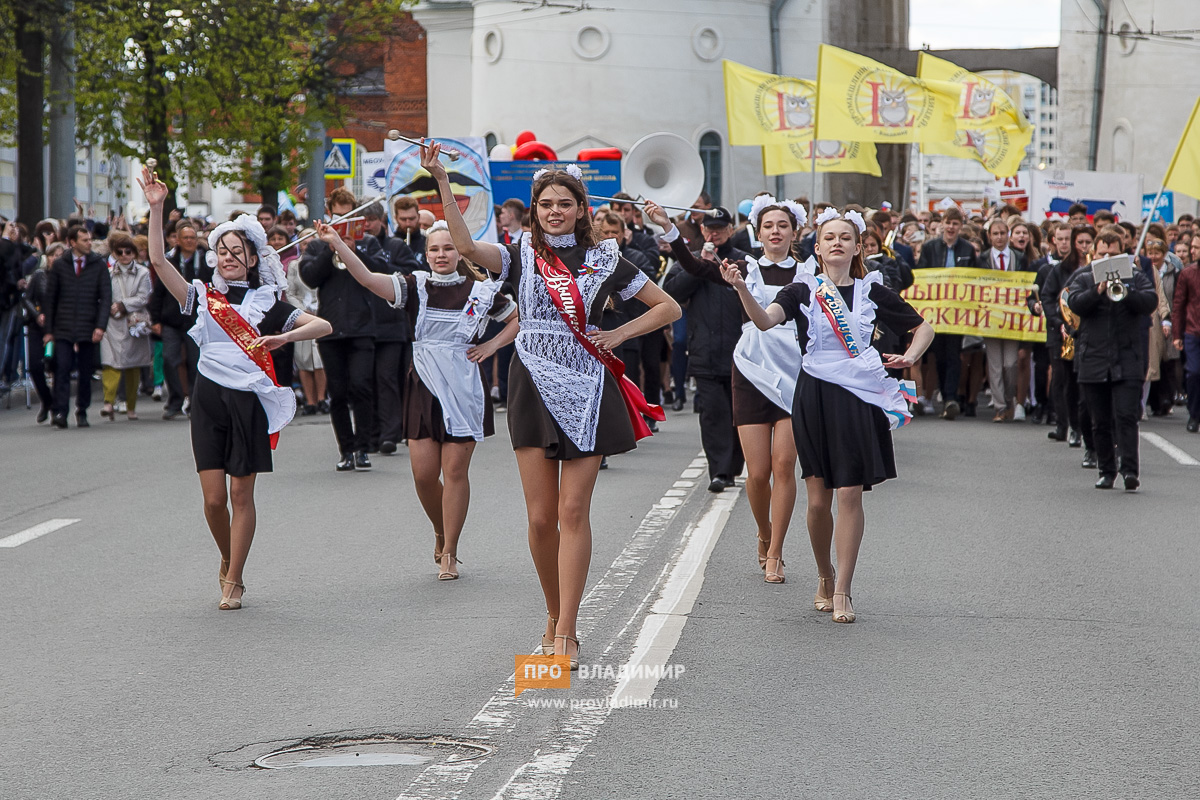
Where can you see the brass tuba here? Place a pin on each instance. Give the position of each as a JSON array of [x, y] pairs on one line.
[[1072, 321]]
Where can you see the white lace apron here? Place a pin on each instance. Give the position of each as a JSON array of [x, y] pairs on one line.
[[863, 376], [224, 362], [569, 379], [769, 359], [441, 339]]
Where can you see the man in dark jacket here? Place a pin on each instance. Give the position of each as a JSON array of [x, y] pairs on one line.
[[948, 251], [1110, 361], [348, 352], [714, 325], [1185, 328], [78, 302], [170, 323]]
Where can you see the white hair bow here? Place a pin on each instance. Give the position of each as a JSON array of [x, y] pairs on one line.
[[270, 268], [766, 200], [851, 216]]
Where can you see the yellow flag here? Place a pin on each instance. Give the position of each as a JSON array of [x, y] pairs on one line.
[[861, 100], [999, 149], [832, 156], [1184, 173], [981, 103], [764, 109]]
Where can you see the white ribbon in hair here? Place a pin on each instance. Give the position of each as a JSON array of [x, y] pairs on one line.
[[571, 169], [270, 269], [765, 200], [440, 225], [851, 216]]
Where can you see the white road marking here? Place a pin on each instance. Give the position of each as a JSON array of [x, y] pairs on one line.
[[41, 529], [1174, 452], [664, 625], [541, 778], [499, 715]]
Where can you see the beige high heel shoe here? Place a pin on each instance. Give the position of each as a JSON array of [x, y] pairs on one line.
[[439, 541], [574, 658], [774, 575], [844, 616], [762, 559], [231, 603], [822, 602], [449, 568]]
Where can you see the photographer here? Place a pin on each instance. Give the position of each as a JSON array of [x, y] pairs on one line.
[[1110, 360]]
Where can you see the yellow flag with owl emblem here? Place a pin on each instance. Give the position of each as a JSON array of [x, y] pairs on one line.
[[862, 100], [829, 156], [766, 109], [990, 128]]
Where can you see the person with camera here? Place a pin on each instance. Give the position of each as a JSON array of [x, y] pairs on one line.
[[1110, 359], [126, 346]]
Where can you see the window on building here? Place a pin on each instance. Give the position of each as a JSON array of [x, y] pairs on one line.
[[710, 155], [490, 141], [367, 83]]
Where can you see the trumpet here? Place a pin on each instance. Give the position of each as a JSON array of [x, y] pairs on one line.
[[1116, 288]]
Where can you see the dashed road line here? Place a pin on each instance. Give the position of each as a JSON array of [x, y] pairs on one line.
[[1180, 455], [41, 529]]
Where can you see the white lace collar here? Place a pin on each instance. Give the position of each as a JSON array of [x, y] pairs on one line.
[[787, 263], [453, 279], [238, 284], [566, 240]]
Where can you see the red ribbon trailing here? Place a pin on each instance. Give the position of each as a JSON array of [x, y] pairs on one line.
[[564, 292], [243, 334]]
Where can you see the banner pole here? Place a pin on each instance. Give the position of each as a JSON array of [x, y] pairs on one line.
[[812, 149], [1148, 219]]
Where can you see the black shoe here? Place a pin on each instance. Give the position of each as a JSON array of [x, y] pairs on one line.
[[1193, 425], [716, 485], [1132, 483], [1106, 482], [950, 410], [346, 464], [387, 448], [59, 422], [323, 407], [1039, 415], [652, 424], [678, 404], [970, 410], [603, 462], [1057, 435], [172, 413], [81, 420], [308, 410], [1089, 462], [1074, 439], [361, 461], [43, 415]]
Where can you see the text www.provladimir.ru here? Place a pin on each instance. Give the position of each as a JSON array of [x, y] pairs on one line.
[[597, 703]]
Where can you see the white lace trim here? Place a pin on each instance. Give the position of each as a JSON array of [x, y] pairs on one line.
[[189, 303], [400, 289], [505, 262], [568, 378], [635, 285], [566, 240], [453, 279], [504, 312], [291, 321]]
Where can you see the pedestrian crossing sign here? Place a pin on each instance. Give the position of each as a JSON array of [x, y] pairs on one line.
[[341, 158]]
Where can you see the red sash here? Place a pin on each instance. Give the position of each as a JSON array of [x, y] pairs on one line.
[[243, 334], [564, 292]]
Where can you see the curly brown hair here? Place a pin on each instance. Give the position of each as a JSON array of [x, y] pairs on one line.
[[584, 234]]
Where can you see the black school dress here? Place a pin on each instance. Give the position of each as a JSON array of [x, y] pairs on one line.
[[229, 426], [750, 406], [423, 417], [530, 423], [840, 438]]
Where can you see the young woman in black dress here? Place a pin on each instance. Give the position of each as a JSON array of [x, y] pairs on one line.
[[236, 406], [565, 408], [763, 363], [845, 403], [447, 408]]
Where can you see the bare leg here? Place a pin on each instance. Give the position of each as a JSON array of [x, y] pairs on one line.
[[756, 447], [783, 491], [309, 387], [539, 480], [848, 534], [216, 508], [319, 380], [456, 496], [241, 529], [426, 458], [575, 542], [820, 523]]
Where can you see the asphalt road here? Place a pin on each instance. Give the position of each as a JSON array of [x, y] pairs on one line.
[[1020, 633]]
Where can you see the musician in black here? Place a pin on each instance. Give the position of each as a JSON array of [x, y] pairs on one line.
[[1110, 361]]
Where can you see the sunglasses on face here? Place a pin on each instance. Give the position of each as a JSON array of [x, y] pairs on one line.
[[125, 251]]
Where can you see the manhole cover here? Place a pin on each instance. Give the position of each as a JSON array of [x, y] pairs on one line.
[[372, 752]]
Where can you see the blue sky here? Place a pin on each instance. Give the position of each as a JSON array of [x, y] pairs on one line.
[[984, 23]]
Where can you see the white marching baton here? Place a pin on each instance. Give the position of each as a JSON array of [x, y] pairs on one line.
[[345, 216], [448, 152], [708, 212]]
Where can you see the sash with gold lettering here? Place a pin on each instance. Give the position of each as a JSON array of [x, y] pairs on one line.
[[243, 335], [564, 293]]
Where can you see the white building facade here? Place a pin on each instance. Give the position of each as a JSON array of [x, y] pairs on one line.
[[606, 77]]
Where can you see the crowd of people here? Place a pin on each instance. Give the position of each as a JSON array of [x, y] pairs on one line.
[[408, 333]]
